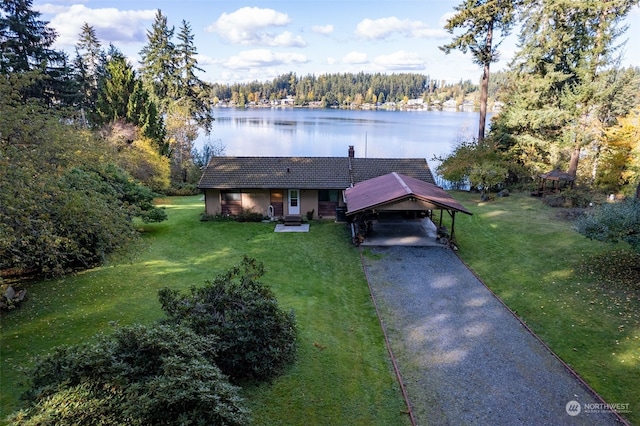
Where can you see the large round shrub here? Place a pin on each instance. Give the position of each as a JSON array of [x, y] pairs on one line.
[[137, 376], [256, 340]]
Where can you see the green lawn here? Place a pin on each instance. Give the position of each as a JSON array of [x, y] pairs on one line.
[[580, 296], [342, 376]]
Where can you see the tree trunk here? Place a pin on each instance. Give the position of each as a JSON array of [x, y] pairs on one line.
[[573, 162], [484, 84], [638, 191], [484, 92], [596, 163]]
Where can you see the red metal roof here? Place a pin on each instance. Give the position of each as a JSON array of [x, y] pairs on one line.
[[394, 187]]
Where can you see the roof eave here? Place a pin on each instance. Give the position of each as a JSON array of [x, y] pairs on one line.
[[406, 197]]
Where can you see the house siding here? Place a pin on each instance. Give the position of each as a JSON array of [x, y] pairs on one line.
[[261, 180], [256, 200], [259, 200], [212, 204], [308, 202]]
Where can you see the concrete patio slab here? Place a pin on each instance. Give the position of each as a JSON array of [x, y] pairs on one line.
[[284, 228]]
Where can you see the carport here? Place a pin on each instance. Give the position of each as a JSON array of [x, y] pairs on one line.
[[395, 202]]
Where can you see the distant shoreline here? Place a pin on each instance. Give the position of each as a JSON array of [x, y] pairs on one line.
[[389, 106]]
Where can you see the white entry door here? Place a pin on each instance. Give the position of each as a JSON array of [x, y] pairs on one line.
[[294, 201]]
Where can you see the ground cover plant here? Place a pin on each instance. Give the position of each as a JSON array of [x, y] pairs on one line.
[[342, 374], [139, 375], [581, 296]]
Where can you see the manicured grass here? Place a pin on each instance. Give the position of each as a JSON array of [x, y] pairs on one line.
[[342, 376], [580, 296]]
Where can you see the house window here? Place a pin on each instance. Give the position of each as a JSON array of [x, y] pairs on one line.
[[231, 196], [327, 202], [231, 203], [328, 195]]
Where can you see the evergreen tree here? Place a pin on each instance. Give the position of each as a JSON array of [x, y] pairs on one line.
[[192, 92], [158, 65], [26, 45], [25, 40], [113, 98], [480, 18], [123, 97], [601, 91], [143, 112], [557, 102], [89, 63]]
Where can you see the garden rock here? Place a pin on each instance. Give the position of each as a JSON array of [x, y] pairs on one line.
[[11, 298]]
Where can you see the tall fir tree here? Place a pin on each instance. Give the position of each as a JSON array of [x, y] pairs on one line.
[[480, 19], [556, 104], [158, 62], [90, 69], [190, 110], [113, 97], [122, 96], [191, 89], [26, 44], [143, 112], [25, 41]]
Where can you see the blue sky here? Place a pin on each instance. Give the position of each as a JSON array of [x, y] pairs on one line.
[[241, 41]]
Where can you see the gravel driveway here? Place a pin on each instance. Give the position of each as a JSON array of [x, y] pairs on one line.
[[464, 358]]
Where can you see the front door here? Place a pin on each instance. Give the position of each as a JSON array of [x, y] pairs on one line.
[[294, 201]]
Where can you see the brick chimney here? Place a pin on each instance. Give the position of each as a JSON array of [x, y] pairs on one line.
[[352, 151]]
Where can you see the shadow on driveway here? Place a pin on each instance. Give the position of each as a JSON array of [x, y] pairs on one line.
[[464, 358], [402, 232]]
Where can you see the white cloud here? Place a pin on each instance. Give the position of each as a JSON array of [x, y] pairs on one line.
[[355, 58], [322, 29], [400, 60], [379, 28], [110, 24], [444, 18], [262, 58], [285, 39], [429, 33], [206, 60], [248, 25], [50, 9], [385, 27]]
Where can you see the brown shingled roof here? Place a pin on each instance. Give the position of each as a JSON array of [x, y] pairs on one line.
[[557, 175], [368, 168], [276, 172], [305, 172]]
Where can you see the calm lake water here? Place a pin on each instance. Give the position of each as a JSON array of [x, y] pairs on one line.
[[329, 132]]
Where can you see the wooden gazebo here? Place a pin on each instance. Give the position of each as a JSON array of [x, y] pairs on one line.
[[552, 182]]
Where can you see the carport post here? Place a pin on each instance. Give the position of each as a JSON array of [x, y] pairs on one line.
[[440, 224], [453, 223]]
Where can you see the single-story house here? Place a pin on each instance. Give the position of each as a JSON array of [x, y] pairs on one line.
[[280, 186]]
